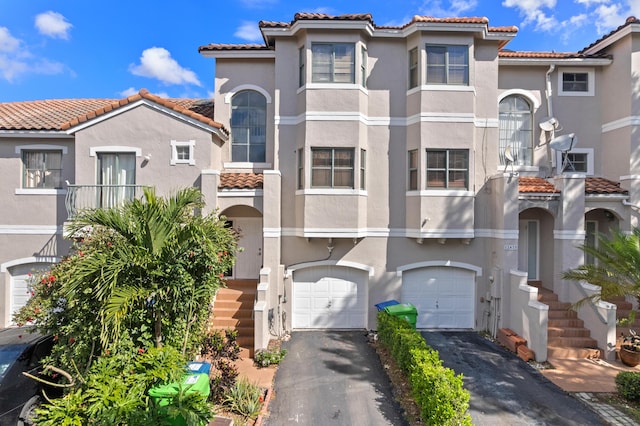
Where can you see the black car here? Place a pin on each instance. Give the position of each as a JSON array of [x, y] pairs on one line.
[[21, 351]]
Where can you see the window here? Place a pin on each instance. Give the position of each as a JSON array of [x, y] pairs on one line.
[[182, 152], [413, 170], [333, 62], [300, 168], [448, 168], [248, 127], [515, 130], [363, 168], [576, 81], [42, 169], [332, 167], [363, 67], [413, 68], [116, 178], [447, 65], [591, 240], [302, 78], [578, 160]]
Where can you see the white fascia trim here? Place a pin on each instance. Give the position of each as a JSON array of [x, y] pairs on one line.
[[528, 62], [322, 25], [500, 234], [630, 177], [240, 54], [15, 134], [612, 39], [41, 147], [334, 233], [30, 230], [263, 92], [27, 260], [447, 88], [630, 121], [432, 263], [94, 150], [440, 233], [605, 197], [272, 172], [346, 263], [571, 234], [271, 232], [240, 193], [210, 172], [245, 165], [386, 121], [487, 122], [40, 191]]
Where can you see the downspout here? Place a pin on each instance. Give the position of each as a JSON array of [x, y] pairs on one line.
[[548, 93]]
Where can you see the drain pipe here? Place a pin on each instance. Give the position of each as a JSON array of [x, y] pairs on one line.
[[630, 204], [548, 93]]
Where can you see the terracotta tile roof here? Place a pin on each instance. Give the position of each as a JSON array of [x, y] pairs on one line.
[[629, 21], [241, 180], [63, 114], [536, 185], [597, 185], [546, 55]]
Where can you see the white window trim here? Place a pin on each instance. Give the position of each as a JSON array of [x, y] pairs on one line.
[[229, 95], [95, 150], [588, 151], [39, 191], [174, 152], [591, 81]]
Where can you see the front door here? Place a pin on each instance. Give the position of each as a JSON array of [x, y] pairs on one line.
[[116, 178], [528, 248], [249, 260]]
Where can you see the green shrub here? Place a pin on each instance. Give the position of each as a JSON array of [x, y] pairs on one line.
[[265, 357], [628, 385], [437, 390], [244, 398]]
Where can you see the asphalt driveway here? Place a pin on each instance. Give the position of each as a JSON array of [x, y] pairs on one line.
[[332, 378], [504, 389]]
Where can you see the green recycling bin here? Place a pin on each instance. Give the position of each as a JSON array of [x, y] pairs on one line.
[[163, 395], [405, 311]]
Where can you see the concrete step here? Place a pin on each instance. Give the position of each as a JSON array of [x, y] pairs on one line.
[[565, 322], [242, 284], [558, 306], [562, 314], [233, 323], [572, 342], [232, 304], [235, 294], [232, 313], [573, 353]]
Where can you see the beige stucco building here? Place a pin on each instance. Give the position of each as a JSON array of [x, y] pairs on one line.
[[425, 163]]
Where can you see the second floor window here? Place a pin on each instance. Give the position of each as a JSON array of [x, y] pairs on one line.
[[575, 82], [447, 169], [447, 64], [516, 136], [42, 169], [248, 127], [332, 167], [333, 62], [413, 170], [413, 68]]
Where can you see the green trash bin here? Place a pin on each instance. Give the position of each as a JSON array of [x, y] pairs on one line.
[[405, 311], [163, 395]]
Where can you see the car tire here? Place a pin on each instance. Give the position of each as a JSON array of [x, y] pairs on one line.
[[28, 412]]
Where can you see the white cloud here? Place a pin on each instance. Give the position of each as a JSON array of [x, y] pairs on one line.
[[156, 62], [589, 3], [608, 17], [211, 94], [248, 31], [53, 24], [451, 8], [634, 8], [128, 92], [11, 68], [8, 43], [532, 10]]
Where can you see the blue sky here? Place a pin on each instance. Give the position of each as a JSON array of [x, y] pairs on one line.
[[53, 49]]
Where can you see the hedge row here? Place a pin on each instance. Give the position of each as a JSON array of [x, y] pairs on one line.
[[436, 389], [628, 385]]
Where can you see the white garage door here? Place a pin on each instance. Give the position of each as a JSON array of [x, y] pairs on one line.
[[19, 293], [444, 297], [329, 297]]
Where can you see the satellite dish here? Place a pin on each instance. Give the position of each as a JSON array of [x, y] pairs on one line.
[[510, 158], [564, 144], [549, 124]]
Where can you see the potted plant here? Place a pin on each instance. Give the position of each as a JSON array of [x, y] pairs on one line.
[[630, 349]]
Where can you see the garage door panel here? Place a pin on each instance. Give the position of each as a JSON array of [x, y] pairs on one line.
[[329, 297], [443, 296]]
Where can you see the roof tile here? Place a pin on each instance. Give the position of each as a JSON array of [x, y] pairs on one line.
[[536, 185], [598, 185], [240, 181]]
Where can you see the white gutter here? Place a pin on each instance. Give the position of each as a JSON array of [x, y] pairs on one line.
[[630, 204]]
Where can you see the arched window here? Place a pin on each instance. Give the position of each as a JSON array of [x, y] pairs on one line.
[[516, 130], [248, 127]]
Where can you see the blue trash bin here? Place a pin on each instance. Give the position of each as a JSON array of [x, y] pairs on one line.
[[380, 306], [199, 367]]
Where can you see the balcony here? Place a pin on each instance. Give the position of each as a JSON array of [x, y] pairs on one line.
[[80, 197]]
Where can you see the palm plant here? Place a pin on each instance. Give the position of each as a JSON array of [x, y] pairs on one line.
[[616, 268]]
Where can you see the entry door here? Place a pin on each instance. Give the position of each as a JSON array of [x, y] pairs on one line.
[[528, 248], [116, 177], [249, 260]]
